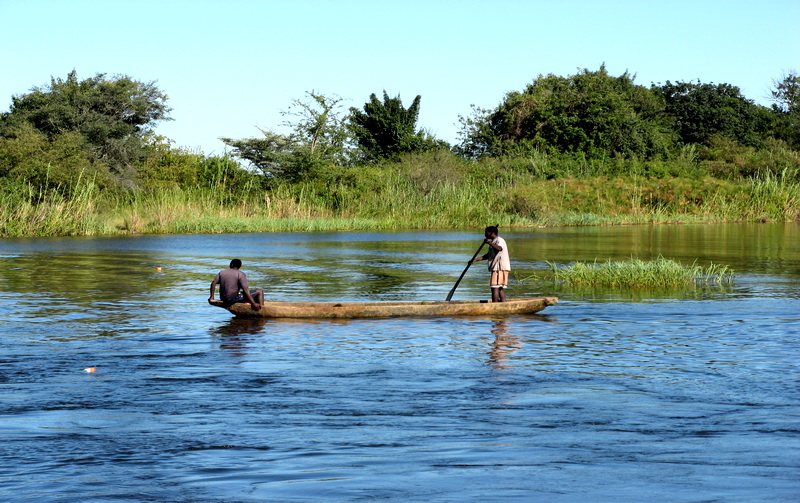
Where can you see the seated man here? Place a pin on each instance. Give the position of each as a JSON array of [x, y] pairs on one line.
[[233, 287]]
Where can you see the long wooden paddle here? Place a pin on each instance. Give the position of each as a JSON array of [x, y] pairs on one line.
[[452, 291]]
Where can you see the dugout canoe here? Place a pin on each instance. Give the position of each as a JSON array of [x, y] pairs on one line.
[[388, 309]]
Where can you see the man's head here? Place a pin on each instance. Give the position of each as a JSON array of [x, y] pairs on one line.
[[490, 232], [236, 263]]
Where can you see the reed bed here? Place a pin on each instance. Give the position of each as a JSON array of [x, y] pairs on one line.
[[399, 197], [635, 273], [36, 212]]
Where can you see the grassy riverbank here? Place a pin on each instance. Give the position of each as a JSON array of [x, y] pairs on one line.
[[423, 191]]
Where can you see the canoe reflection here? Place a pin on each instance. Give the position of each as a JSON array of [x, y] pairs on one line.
[[234, 334], [240, 326]]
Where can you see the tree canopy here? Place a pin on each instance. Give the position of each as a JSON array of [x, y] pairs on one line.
[[103, 128], [386, 129], [100, 127], [786, 98], [113, 116], [700, 111], [318, 137], [786, 93], [591, 112]]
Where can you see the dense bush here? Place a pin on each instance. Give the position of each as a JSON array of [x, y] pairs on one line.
[[699, 112], [589, 112]]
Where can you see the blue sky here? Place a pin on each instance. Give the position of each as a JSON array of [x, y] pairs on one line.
[[230, 67]]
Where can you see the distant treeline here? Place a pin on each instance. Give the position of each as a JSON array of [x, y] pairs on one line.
[[103, 128], [89, 147]]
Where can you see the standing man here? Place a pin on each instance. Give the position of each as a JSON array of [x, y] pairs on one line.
[[233, 287], [499, 263]]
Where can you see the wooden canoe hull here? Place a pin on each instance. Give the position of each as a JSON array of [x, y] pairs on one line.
[[389, 309]]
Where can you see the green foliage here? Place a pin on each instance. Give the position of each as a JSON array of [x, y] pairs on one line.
[[424, 190], [659, 273], [224, 173], [27, 155], [318, 140], [80, 157], [112, 116], [384, 130], [477, 137], [786, 96], [786, 93], [724, 158], [433, 169], [589, 112], [319, 128], [702, 111], [272, 155], [29, 210], [165, 165]]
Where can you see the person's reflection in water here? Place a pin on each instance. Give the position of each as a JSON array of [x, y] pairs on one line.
[[503, 345], [234, 334]]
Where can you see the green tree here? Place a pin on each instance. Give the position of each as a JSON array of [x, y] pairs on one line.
[[169, 166], [786, 107], [786, 92], [385, 129], [477, 136], [590, 112], [112, 116], [701, 111], [272, 154], [319, 127], [318, 138], [57, 163]]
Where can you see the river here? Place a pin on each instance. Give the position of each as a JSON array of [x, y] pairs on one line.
[[612, 395]]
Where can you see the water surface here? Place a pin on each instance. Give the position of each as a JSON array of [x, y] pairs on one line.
[[609, 396]]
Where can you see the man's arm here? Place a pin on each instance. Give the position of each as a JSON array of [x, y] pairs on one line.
[[213, 288], [491, 243], [255, 305], [478, 259], [245, 286]]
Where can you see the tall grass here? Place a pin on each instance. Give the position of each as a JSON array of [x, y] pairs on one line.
[[26, 210], [423, 191], [659, 273]]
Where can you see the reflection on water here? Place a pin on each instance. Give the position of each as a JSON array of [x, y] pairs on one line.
[[607, 396], [234, 334], [503, 345], [236, 327]]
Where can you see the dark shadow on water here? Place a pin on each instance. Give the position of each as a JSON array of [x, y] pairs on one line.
[[235, 333], [240, 326]]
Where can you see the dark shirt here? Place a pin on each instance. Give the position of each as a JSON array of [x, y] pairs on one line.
[[230, 282]]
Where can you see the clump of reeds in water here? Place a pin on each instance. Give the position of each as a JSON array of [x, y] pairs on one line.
[[635, 273]]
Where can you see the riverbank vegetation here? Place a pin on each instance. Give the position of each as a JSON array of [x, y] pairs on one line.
[[81, 158]]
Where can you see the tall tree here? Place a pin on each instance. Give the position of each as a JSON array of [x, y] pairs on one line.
[[786, 106], [590, 112], [272, 154], [385, 129], [703, 110], [112, 115], [318, 124], [318, 137], [786, 92]]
